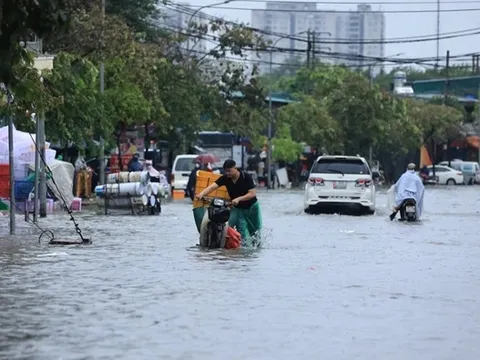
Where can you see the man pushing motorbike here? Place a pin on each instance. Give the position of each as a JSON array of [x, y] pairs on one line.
[[245, 214], [409, 186]]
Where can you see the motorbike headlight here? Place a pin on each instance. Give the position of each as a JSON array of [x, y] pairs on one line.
[[218, 202]]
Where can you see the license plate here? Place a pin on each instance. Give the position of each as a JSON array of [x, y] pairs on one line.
[[410, 209], [340, 185]]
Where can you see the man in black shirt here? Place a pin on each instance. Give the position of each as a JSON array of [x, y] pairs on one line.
[[245, 214]]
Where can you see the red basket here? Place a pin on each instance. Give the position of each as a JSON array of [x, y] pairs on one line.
[[125, 159], [4, 170], [5, 193], [5, 186]]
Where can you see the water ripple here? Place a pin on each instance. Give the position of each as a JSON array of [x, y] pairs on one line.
[[344, 287]]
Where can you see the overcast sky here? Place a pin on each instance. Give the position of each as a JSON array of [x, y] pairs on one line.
[[397, 24]]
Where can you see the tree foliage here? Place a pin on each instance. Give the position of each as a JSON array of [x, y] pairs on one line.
[[284, 147], [73, 86], [339, 111], [20, 20], [155, 77], [150, 77]]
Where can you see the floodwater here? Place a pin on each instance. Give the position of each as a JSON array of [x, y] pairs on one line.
[[324, 287]]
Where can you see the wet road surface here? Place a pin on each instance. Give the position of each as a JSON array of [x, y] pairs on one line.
[[324, 287]]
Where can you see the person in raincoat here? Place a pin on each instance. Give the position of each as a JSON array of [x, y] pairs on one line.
[[409, 186], [245, 215]]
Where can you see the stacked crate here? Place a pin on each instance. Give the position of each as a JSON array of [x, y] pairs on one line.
[[4, 181], [115, 163]]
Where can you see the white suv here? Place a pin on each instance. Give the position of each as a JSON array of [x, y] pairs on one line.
[[341, 182]]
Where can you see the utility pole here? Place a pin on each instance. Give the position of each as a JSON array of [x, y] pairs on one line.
[[102, 90], [370, 148], [438, 33], [445, 94], [11, 162], [309, 47], [270, 121], [447, 68], [313, 48], [37, 170], [42, 191]]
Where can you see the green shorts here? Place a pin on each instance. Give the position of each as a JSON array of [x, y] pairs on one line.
[[248, 223]]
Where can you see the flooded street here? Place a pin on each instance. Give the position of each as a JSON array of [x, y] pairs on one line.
[[324, 287]]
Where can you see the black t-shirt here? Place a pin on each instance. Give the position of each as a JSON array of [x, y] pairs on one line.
[[240, 188]]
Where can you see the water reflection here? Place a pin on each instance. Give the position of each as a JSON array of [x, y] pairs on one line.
[[354, 287]]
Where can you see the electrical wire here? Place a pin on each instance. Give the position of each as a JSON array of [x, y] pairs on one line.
[[330, 54], [316, 11], [340, 41], [369, 3], [322, 60]]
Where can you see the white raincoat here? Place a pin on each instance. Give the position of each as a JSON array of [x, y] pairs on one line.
[[407, 187]]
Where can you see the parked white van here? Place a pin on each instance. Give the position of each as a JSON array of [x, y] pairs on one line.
[[181, 169], [470, 170]]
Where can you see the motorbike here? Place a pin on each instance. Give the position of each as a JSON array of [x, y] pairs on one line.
[[408, 210], [429, 179], [213, 229]]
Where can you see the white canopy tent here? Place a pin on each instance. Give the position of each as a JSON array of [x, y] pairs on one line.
[[23, 147]]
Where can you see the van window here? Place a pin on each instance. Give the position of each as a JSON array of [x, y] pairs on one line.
[[184, 164], [468, 168], [343, 166]]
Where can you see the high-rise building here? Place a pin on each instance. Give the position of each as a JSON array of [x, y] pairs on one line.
[[286, 25], [178, 19], [364, 31]]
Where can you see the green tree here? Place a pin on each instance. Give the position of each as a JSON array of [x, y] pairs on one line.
[[75, 111], [310, 121], [436, 122], [284, 147], [20, 20]]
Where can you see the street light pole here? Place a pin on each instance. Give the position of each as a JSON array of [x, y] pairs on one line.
[[270, 121], [102, 90], [196, 12], [11, 164]]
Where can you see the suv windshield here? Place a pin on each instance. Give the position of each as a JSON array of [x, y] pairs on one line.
[[340, 166], [184, 164]]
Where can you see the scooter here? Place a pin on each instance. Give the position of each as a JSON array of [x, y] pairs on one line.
[[213, 229], [429, 180], [408, 210]]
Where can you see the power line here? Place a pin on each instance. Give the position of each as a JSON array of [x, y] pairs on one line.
[[330, 54], [419, 11], [206, 16], [452, 35], [369, 3], [335, 55], [356, 66]]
